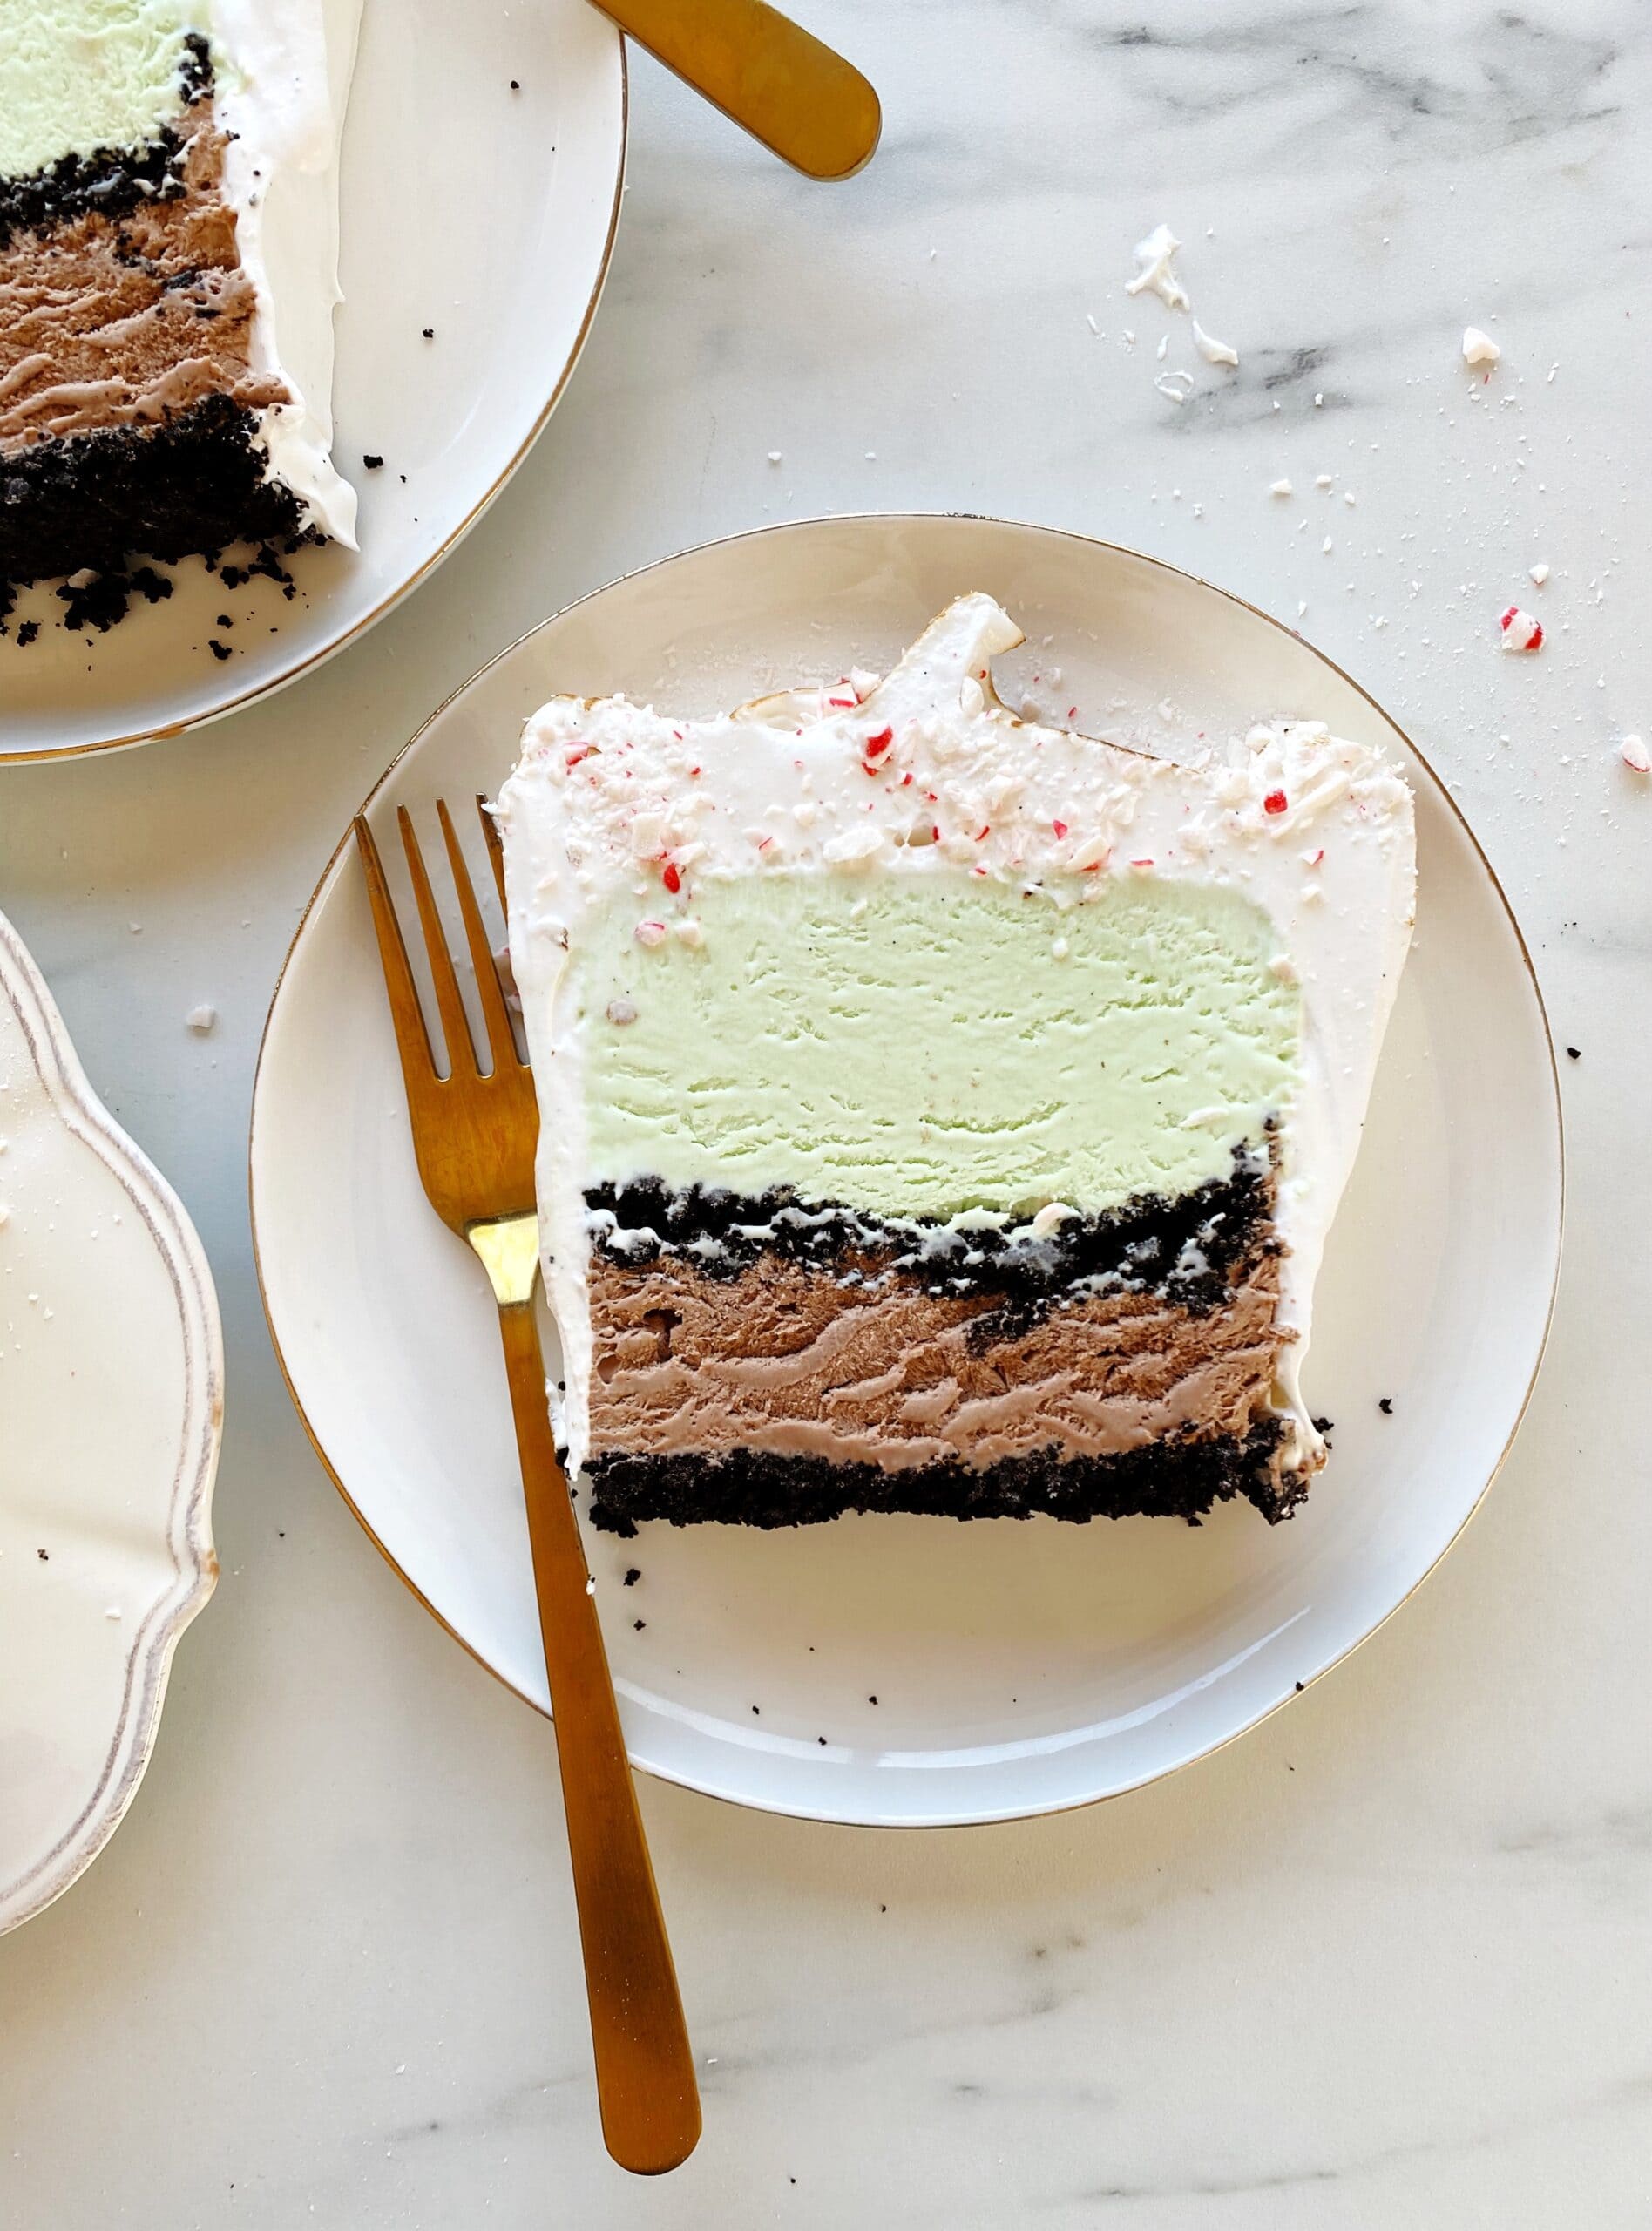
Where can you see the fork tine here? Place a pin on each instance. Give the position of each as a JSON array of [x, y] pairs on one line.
[[500, 1036], [456, 1027], [412, 1039], [496, 847]]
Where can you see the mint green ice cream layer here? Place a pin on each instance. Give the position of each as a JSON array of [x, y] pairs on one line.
[[932, 1052], [79, 75]]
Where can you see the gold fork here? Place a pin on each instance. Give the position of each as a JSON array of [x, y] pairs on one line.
[[474, 1133]]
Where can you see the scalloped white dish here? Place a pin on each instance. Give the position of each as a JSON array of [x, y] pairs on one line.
[[900, 1671], [112, 1396]]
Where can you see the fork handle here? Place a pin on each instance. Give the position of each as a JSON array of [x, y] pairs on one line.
[[646, 2084]]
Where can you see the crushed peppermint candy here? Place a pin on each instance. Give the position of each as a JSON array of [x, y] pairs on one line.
[[1156, 269], [1540, 573], [671, 876], [1060, 827], [1279, 488], [621, 1011], [1214, 351], [1276, 802], [1634, 753], [650, 933], [1479, 347], [1521, 631]]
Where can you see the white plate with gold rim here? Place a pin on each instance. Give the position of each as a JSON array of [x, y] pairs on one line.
[[909, 1671], [111, 1393], [484, 213]]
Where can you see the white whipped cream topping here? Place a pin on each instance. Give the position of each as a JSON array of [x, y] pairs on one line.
[[282, 71], [609, 798]]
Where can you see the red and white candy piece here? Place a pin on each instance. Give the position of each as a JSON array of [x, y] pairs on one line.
[[1521, 632], [1634, 753]]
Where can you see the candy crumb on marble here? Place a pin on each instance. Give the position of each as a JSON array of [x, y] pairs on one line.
[[1521, 631], [202, 1020], [1479, 347], [1213, 351], [1540, 573], [1634, 753], [1156, 269], [1279, 488]]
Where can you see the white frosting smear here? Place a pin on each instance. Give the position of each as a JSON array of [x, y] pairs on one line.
[[924, 771], [282, 69]]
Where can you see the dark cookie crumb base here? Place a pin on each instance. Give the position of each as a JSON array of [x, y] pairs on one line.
[[1230, 1220], [192, 483], [741, 1487]]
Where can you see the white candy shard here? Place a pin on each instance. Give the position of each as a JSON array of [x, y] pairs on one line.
[[1634, 753], [1213, 351], [1156, 269], [1480, 347]]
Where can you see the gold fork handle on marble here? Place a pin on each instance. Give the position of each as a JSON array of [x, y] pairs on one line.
[[806, 104], [644, 2066]]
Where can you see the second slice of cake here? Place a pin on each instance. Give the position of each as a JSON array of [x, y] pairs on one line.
[[168, 273], [942, 1112]]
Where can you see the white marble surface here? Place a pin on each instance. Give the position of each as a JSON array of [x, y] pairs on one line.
[[1384, 1962]]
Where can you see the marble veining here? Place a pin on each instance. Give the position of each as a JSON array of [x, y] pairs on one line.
[[1384, 1962]]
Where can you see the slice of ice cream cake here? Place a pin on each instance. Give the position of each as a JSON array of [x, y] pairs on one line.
[[942, 1112], [168, 273]]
